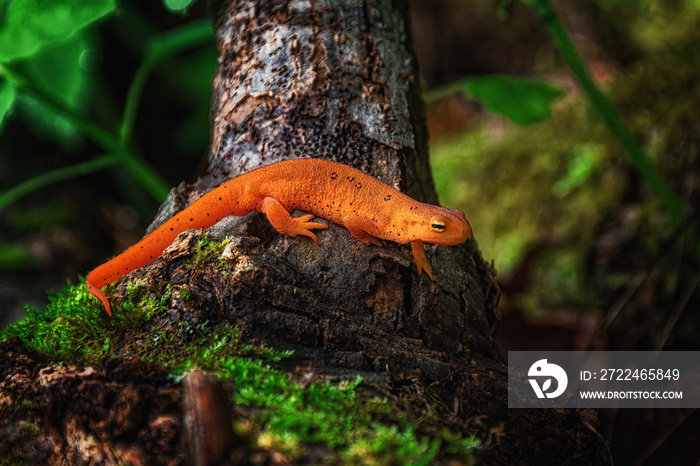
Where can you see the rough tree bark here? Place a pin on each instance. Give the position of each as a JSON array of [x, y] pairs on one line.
[[334, 80]]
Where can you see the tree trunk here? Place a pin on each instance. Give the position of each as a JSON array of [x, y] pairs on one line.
[[338, 80]]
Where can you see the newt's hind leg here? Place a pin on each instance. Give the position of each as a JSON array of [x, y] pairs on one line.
[[285, 223]]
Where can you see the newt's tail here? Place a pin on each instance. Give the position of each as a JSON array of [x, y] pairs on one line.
[[225, 200], [96, 292]]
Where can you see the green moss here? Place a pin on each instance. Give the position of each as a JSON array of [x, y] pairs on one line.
[[208, 250], [24, 413], [184, 293], [391, 445], [218, 345], [27, 432], [27, 408], [290, 415], [74, 327]]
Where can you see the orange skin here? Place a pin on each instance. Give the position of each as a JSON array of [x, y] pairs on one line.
[[368, 208]]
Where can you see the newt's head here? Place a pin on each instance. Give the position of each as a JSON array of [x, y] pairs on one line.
[[438, 225]]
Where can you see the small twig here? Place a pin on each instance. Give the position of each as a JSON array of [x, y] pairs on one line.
[[208, 426], [676, 315], [619, 305]]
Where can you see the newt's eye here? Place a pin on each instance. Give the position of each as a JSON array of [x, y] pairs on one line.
[[438, 226]]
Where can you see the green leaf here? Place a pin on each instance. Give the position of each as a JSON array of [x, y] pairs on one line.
[[7, 99], [522, 101], [178, 6], [57, 71], [30, 25]]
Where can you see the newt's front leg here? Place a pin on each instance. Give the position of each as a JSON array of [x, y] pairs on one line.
[[420, 260], [285, 223]]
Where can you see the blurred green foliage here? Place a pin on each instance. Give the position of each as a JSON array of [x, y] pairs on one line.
[[7, 99], [47, 41], [15, 259], [57, 81], [50, 79], [57, 71], [557, 181], [30, 26], [533, 183], [178, 6]]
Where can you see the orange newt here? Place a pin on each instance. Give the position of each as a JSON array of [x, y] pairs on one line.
[[368, 208]]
